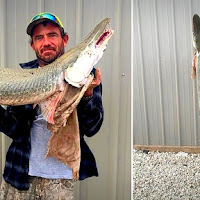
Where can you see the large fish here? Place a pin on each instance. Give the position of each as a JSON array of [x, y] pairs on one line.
[[195, 72], [45, 85]]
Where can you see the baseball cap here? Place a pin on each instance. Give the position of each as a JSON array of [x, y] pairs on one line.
[[41, 17]]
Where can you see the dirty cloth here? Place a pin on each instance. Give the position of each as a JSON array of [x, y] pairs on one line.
[[64, 143]]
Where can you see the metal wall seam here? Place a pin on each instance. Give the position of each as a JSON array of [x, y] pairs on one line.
[[131, 98], [40, 6], [142, 72], [115, 98], [159, 76], [27, 15], [124, 150], [15, 29], [79, 23], [176, 74]]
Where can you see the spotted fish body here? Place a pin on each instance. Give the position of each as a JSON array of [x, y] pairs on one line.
[[25, 86]]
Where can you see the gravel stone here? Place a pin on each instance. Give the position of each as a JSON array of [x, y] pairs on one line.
[[166, 175]]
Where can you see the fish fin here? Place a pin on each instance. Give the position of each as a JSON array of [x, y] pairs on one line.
[[77, 76], [74, 77], [83, 82], [48, 106], [77, 84]]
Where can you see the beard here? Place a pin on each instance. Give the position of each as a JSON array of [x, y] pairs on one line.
[[49, 57]]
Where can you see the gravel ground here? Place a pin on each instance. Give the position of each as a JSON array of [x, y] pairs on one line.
[[160, 176]]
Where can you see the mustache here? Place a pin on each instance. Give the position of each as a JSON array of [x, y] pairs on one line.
[[48, 48]]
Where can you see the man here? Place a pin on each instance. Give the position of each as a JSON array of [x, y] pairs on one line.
[[28, 174]]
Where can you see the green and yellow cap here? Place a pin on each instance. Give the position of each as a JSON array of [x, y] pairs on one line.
[[41, 17]]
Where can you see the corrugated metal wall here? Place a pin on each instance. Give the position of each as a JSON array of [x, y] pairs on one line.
[[164, 97], [111, 145]]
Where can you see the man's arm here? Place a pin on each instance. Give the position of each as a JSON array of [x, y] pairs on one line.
[[90, 109]]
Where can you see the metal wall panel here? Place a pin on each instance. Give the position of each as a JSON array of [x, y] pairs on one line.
[[111, 146], [164, 97]]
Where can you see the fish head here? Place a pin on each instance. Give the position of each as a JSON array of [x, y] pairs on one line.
[[97, 40], [90, 50], [196, 32]]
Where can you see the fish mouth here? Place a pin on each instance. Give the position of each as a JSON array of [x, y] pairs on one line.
[[104, 37]]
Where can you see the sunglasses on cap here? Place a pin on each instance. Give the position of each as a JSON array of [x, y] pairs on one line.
[[49, 16]]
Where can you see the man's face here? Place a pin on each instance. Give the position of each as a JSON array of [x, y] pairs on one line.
[[48, 43]]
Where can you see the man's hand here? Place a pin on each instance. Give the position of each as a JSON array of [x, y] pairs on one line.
[[96, 81]]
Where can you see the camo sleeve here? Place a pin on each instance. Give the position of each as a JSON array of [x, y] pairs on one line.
[[90, 113]]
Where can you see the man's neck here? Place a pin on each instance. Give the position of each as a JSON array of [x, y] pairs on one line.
[[42, 63]]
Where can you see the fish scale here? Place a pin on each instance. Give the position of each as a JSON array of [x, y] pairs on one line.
[[30, 85]]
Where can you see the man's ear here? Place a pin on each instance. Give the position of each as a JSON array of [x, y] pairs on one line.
[[32, 46], [65, 39]]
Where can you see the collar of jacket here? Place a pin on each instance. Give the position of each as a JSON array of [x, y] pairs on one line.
[[30, 65]]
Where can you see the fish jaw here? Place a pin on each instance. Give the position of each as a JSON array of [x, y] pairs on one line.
[[77, 74], [102, 43]]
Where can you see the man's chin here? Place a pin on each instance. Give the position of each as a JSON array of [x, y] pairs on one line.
[[48, 58]]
